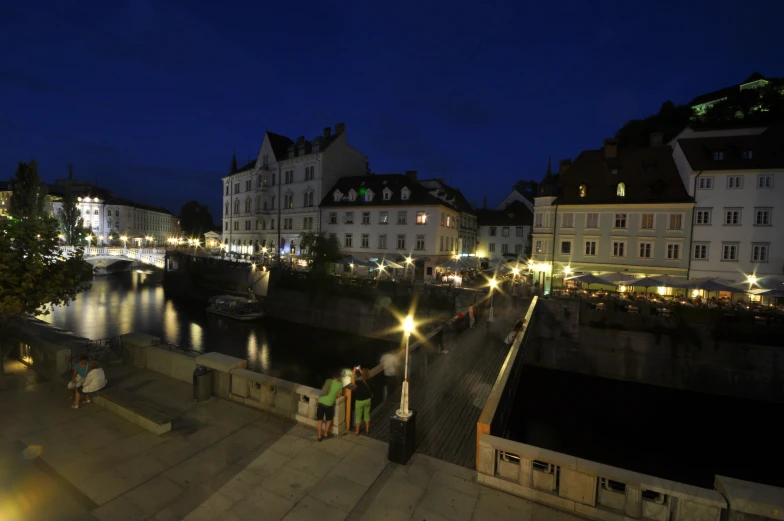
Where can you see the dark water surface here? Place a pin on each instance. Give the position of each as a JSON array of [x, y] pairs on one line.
[[678, 435], [132, 301]]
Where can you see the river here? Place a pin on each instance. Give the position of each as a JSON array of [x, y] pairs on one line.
[[136, 302]]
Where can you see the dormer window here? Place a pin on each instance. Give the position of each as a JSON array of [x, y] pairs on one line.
[[583, 190], [338, 196], [748, 154], [387, 194], [620, 191], [352, 195], [368, 195], [405, 193], [718, 155]]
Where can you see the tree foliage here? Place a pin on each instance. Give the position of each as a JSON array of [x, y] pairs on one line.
[[28, 200], [195, 219], [70, 219], [320, 251]]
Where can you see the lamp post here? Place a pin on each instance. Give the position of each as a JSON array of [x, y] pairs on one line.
[[404, 412], [567, 271], [493, 284], [124, 239], [402, 426], [409, 264]]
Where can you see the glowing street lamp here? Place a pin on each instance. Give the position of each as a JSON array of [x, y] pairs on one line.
[[404, 412], [751, 280], [89, 240], [124, 239], [493, 284]]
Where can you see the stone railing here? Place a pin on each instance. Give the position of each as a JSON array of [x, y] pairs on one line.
[[153, 256], [590, 489]]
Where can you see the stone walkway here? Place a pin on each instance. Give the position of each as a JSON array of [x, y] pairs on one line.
[[222, 461]]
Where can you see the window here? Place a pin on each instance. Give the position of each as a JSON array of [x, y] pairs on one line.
[[590, 248], [247, 205], [732, 217], [348, 240], [762, 217], [620, 190], [247, 225], [402, 217], [619, 248], [491, 247], [673, 251], [247, 185], [310, 199], [382, 241], [718, 155], [420, 242], [226, 226], [493, 231], [504, 248], [333, 217], [747, 154], [368, 196], [518, 249], [365, 217], [519, 231], [646, 221], [383, 217], [538, 220], [566, 247], [449, 221], [646, 250], [236, 207], [236, 226], [705, 183], [729, 252], [257, 224], [273, 179], [702, 216], [401, 242], [272, 204], [505, 231], [443, 218], [734, 181], [759, 252], [700, 251], [365, 240], [583, 190], [421, 218], [592, 220], [117, 213], [337, 195], [620, 220], [272, 224], [236, 188], [765, 181], [308, 223], [567, 220], [538, 247], [227, 190], [387, 194], [676, 221], [404, 193]]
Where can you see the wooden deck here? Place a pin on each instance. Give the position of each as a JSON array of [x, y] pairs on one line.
[[449, 397]]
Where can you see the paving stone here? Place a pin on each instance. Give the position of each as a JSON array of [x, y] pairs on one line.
[[315, 462], [242, 484], [262, 504], [422, 514], [155, 494], [119, 509], [290, 483], [447, 502], [193, 471], [106, 486], [140, 469], [361, 465], [214, 506], [468, 487], [402, 494], [494, 504], [380, 511], [338, 492], [173, 452], [290, 445], [311, 509], [268, 462]]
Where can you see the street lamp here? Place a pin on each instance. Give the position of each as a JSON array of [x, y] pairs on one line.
[[124, 239], [567, 271], [493, 284], [404, 412], [89, 240]]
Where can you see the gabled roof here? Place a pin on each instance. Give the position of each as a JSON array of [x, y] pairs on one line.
[[419, 195], [515, 214], [452, 194], [250, 166], [649, 175], [280, 145], [767, 151]]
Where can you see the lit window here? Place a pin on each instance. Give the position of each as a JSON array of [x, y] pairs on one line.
[[583, 190], [718, 155], [621, 190], [676, 221], [646, 221], [421, 218], [592, 220]]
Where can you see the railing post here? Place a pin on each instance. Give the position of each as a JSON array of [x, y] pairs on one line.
[[633, 505]]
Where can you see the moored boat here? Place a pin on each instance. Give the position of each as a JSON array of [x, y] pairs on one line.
[[238, 308]]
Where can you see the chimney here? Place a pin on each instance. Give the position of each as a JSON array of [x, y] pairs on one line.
[[340, 128], [610, 148], [327, 131], [412, 174], [657, 138], [564, 165]]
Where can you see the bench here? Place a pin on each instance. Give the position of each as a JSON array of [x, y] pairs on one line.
[[143, 413]]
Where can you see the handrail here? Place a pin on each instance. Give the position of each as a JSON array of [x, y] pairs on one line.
[[494, 399]]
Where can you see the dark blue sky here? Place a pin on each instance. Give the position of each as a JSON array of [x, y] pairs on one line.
[[149, 98]]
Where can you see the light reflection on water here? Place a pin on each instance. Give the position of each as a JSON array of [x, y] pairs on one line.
[[126, 302]]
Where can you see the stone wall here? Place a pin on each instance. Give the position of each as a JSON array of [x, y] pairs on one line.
[[42, 346]]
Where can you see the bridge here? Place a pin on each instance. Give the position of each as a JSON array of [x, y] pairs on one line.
[[102, 257]]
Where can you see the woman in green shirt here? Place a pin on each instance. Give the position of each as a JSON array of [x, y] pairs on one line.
[[363, 395], [325, 410]]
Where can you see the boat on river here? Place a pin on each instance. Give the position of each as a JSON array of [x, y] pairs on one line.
[[238, 308]]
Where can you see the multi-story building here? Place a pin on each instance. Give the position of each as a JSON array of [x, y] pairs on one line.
[[269, 202], [614, 209], [736, 178], [391, 217], [467, 224], [504, 234]]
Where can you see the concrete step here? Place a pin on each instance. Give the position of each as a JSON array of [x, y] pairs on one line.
[[143, 413]]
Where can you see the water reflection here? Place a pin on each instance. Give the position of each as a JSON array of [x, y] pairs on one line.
[[126, 302]]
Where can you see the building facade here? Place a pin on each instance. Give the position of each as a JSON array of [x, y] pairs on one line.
[[271, 201], [391, 217], [504, 234], [737, 182], [467, 223], [614, 209]]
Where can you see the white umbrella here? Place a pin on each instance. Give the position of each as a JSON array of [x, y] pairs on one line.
[[617, 277], [456, 264], [657, 280], [591, 279]]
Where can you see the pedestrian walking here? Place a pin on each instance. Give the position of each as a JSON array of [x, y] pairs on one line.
[[363, 396], [325, 411]]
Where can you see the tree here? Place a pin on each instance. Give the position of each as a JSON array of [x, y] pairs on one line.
[[195, 219], [754, 107], [28, 199], [70, 218], [670, 120], [321, 251]]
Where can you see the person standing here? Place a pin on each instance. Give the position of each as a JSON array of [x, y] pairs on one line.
[[363, 396], [325, 411]]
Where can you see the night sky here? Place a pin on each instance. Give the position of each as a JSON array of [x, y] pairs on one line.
[[150, 98]]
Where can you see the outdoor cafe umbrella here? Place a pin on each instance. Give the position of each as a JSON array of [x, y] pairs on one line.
[[589, 279], [772, 293], [350, 259], [657, 281], [618, 277], [708, 284], [456, 264], [386, 264]]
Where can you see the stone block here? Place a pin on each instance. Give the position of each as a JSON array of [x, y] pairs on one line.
[[751, 498], [221, 362], [579, 487]]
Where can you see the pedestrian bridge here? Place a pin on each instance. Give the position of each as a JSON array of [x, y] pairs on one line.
[[101, 257]]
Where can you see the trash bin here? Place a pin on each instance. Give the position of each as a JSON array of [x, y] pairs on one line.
[[202, 384]]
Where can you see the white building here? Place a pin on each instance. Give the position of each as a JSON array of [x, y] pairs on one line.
[[467, 224], [737, 182], [391, 217], [270, 201], [504, 234], [615, 209]]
